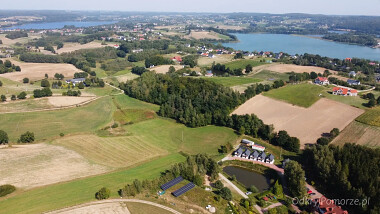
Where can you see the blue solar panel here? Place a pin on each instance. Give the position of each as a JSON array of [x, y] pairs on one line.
[[171, 183], [183, 189]]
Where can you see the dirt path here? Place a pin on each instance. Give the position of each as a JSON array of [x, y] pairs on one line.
[[84, 207], [232, 185]]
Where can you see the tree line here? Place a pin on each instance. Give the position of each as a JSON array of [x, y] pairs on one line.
[[7, 66], [199, 102], [352, 38]]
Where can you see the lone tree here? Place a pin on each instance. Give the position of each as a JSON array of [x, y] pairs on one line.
[[295, 179], [3, 98], [22, 95], [1, 83], [3, 137], [248, 68], [25, 80], [102, 194], [27, 137]]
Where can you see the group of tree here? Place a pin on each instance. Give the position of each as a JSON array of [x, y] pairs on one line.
[[239, 56], [299, 77], [6, 189], [139, 70], [59, 76], [57, 84], [40, 58], [116, 65], [193, 169], [49, 48], [45, 83], [7, 67], [27, 137], [16, 34], [349, 171], [198, 102], [72, 93], [102, 194], [220, 69], [285, 141], [20, 96], [352, 38], [45, 92], [372, 101], [295, 179], [190, 60], [157, 60], [355, 64], [329, 137]]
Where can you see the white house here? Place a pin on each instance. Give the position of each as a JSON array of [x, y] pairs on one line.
[[321, 81]]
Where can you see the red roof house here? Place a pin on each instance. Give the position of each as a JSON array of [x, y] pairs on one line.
[[344, 91], [321, 81], [177, 58]]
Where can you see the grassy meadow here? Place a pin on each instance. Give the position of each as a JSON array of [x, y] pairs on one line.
[[242, 63], [303, 95], [49, 124], [270, 76], [233, 81], [370, 117], [359, 133], [79, 191]]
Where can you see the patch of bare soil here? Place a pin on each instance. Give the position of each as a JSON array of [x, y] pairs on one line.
[[285, 68], [163, 69]]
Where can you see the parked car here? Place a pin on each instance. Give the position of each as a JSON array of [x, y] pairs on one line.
[[248, 193]]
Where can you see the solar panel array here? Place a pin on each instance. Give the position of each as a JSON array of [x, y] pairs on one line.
[[183, 189], [171, 183]]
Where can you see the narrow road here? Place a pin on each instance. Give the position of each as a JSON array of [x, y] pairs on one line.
[[113, 201], [233, 186]]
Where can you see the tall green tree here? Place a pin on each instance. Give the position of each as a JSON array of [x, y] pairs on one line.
[[3, 137], [295, 179]]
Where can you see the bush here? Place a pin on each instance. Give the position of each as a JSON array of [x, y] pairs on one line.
[[25, 80], [115, 125], [253, 189], [61, 134], [27, 137], [13, 97], [6, 189], [45, 83], [3, 137], [1, 83], [3, 98], [218, 184], [102, 194]]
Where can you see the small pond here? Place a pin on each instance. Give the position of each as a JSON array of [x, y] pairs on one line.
[[248, 177]]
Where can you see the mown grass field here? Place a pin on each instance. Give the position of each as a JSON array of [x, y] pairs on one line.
[[370, 117], [80, 191], [233, 81], [270, 76], [12, 87], [25, 105], [359, 133], [49, 124], [114, 152], [303, 95], [242, 63]]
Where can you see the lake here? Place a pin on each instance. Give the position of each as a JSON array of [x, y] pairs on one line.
[[293, 44], [58, 25], [248, 177]]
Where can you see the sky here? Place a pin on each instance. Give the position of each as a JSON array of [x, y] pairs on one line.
[[328, 7]]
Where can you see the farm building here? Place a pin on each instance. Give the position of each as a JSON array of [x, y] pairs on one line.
[[247, 142], [75, 81], [209, 74], [344, 91], [321, 81], [258, 147], [255, 155], [246, 154], [353, 82]]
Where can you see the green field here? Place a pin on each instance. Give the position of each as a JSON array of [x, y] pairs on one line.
[[12, 87], [355, 101], [49, 124], [303, 95], [359, 133], [233, 81], [270, 76], [370, 117], [82, 190], [140, 208], [242, 63]]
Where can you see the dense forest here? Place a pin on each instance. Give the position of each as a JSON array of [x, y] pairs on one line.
[[349, 172], [198, 102], [352, 38]]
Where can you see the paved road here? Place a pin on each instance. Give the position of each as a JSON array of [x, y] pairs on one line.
[[233, 186], [113, 201]]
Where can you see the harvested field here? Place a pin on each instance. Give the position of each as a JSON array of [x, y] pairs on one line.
[[37, 71], [9, 42], [126, 77], [98, 208], [70, 47], [163, 69], [285, 68], [61, 101], [359, 133], [207, 61], [25, 105], [113, 152], [205, 35], [308, 124], [28, 166]]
